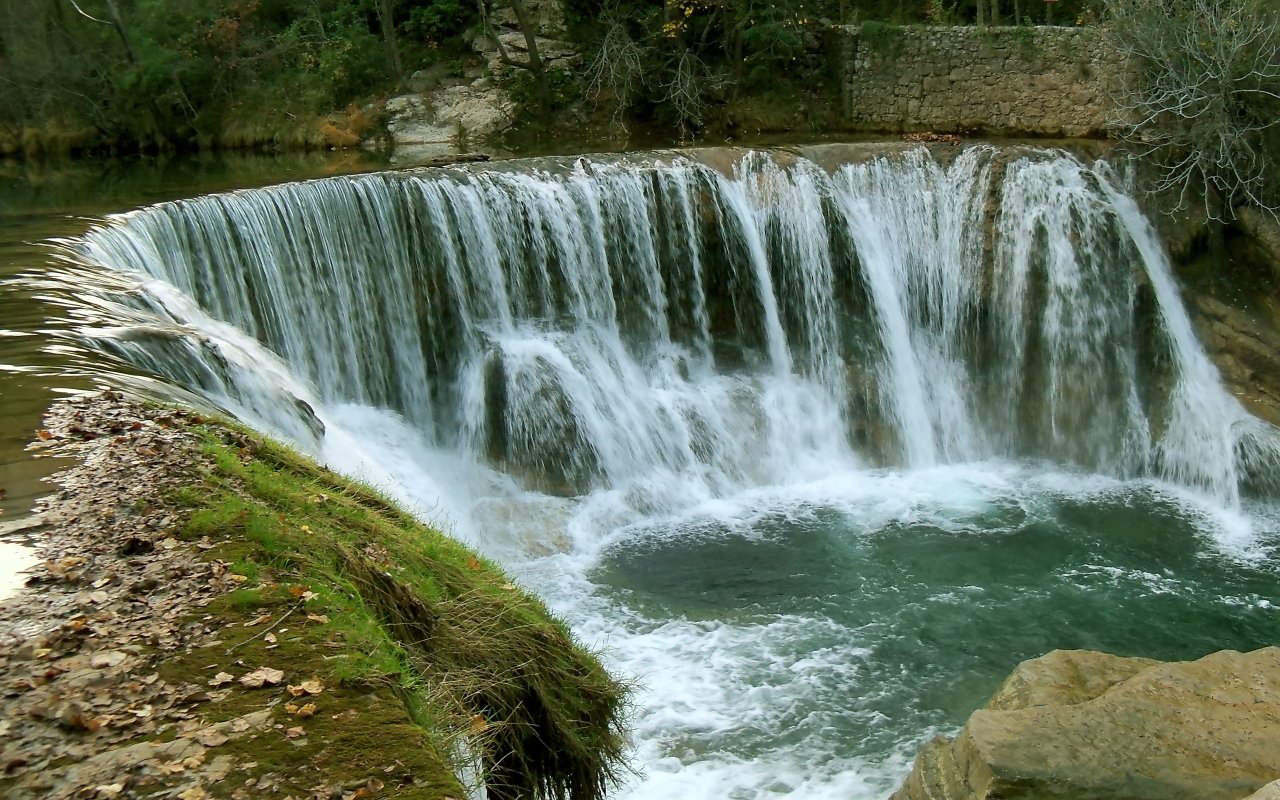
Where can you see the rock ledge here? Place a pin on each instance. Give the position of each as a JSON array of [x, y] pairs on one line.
[[1080, 725]]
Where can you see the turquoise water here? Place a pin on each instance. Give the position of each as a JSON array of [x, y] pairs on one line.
[[829, 640]]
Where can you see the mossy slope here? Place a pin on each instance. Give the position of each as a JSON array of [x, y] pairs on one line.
[[429, 654]]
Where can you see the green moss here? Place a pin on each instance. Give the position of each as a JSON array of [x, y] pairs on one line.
[[424, 645]]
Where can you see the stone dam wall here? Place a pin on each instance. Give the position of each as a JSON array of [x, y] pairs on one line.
[[1010, 81]]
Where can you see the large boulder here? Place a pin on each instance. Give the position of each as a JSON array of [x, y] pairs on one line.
[[450, 119], [1078, 725]]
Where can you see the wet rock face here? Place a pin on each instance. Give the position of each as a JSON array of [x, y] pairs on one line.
[[1236, 310], [1246, 350], [1078, 725]]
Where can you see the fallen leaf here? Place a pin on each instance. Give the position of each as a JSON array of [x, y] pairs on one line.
[[259, 620], [323, 619], [211, 737], [291, 708], [109, 790], [234, 578], [270, 638], [107, 658], [262, 676], [313, 686], [239, 725], [221, 679], [169, 544], [194, 793], [473, 562], [478, 724], [294, 733], [308, 710], [75, 716], [44, 435], [296, 590], [193, 697], [172, 768]]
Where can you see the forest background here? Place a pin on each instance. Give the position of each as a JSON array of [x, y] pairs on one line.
[[158, 75]]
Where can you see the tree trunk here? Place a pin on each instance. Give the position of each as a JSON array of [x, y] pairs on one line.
[[541, 90], [386, 21], [533, 61], [118, 23]]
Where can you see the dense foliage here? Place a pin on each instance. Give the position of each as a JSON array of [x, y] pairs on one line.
[[164, 73], [186, 71]]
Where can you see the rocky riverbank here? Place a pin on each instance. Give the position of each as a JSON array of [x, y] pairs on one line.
[[1081, 725], [216, 616]]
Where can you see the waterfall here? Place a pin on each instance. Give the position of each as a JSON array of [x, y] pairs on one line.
[[629, 323], [808, 450]]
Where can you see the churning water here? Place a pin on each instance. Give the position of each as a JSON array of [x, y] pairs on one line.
[[814, 455]]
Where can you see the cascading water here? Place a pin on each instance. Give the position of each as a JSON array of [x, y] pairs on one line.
[[739, 428]]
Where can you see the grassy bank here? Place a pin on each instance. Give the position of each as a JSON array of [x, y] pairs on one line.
[[333, 643], [475, 661]]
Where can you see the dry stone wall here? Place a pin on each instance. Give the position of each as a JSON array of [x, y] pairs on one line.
[[1040, 81]]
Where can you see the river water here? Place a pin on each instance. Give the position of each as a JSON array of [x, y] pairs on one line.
[[814, 454]]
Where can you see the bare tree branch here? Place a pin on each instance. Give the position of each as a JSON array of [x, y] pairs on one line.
[[616, 69], [1203, 98]]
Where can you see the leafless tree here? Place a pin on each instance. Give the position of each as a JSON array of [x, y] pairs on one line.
[[687, 91], [616, 71], [1203, 98]]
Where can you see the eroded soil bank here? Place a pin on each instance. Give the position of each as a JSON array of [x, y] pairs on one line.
[[216, 616]]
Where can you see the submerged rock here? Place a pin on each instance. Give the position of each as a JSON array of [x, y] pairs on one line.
[[1269, 792], [1080, 725]]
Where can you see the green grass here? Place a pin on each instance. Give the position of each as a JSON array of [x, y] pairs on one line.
[[410, 615]]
